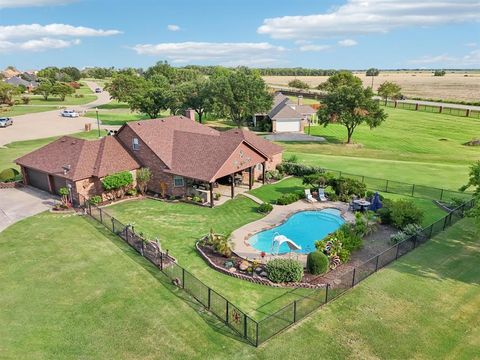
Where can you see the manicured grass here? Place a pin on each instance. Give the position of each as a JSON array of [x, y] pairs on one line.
[[89, 295], [447, 176], [180, 225], [16, 149], [111, 118], [69, 100], [17, 110], [114, 104]]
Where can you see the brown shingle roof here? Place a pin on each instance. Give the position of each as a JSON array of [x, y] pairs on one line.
[[194, 150], [85, 158]]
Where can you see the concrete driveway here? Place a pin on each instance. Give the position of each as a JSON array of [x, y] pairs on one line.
[[294, 136], [20, 203], [50, 123]]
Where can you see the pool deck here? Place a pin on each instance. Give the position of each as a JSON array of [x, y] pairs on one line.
[[277, 216]]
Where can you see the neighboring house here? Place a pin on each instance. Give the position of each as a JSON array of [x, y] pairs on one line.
[[286, 115], [17, 81], [77, 164], [184, 157]]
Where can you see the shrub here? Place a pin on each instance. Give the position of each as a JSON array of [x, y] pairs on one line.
[[293, 159], [344, 186], [317, 180], [286, 199], [132, 192], [350, 237], [317, 263], [284, 270], [299, 170], [405, 212], [25, 100], [385, 213], [143, 177], [220, 243], [265, 208], [299, 84], [95, 200], [9, 175], [398, 237], [117, 183], [217, 196], [273, 175]]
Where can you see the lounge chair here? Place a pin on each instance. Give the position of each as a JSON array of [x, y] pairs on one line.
[[321, 195], [309, 197]]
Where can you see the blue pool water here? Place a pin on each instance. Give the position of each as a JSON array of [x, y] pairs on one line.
[[303, 228]]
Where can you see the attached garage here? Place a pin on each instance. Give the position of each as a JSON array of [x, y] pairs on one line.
[[37, 179], [288, 125]]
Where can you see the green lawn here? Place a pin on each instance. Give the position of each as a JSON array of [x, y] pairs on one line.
[[114, 104], [180, 225], [113, 118], [414, 147], [72, 290], [16, 149], [69, 100], [17, 110]]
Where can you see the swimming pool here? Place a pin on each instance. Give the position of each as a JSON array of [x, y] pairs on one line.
[[303, 228]]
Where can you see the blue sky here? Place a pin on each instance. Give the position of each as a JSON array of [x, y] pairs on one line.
[[349, 34]]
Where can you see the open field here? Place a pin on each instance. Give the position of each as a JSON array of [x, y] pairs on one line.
[[94, 297], [452, 86]]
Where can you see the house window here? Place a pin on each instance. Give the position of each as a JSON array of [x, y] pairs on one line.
[[178, 181], [135, 144]]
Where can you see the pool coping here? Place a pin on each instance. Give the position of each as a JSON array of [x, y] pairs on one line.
[[277, 216]]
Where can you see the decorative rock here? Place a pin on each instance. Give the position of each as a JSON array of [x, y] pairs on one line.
[[232, 270], [244, 265], [258, 270], [263, 274]]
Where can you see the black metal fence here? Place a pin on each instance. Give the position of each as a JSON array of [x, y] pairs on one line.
[[257, 332], [455, 111], [402, 188]]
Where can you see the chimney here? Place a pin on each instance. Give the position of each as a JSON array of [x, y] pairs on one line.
[[299, 99], [189, 113]]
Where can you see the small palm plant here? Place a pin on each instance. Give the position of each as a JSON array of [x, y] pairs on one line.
[[64, 192]]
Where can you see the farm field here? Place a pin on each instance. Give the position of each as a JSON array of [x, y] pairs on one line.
[[93, 296], [452, 86]]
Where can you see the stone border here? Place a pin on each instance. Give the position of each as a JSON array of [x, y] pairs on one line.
[[11, 185], [255, 280]]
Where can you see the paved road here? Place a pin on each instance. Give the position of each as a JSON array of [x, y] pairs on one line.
[[18, 204], [294, 136], [50, 123]]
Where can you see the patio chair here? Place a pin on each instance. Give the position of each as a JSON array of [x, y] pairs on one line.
[[321, 195], [309, 197]]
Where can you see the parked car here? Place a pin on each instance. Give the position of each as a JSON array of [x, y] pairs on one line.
[[70, 113], [98, 90], [5, 121]]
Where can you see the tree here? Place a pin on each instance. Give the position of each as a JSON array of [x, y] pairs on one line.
[[72, 72], [198, 96], [124, 85], [153, 96], [62, 90], [439, 73], [372, 72], [299, 84], [351, 105], [339, 79], [44, 88], [473, 179], [389, 89], [239, 94], [7, 92]]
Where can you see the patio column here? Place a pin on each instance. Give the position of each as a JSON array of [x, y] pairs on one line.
[[232, 190], [250, 178], [263, 172], [211, 195]]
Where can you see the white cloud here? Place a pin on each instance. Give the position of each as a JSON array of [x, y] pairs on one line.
[[314, 47], [221, 53], [30, 3], [173, 27], [470, 59], [36, 45], [471, 44], [347, 43], [57, 30], [371, 16]]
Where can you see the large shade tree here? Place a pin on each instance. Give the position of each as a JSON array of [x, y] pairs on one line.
[[152, 97], [339, 79], [239, 94], [198, 96], [351, 105]]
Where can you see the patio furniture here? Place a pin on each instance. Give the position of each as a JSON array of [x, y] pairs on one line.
[[361, 204], [321, 195], [309, 197]]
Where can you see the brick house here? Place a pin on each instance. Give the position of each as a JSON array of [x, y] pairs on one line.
[[185, 158]]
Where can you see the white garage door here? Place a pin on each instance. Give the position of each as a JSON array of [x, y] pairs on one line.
[[288, 126]]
